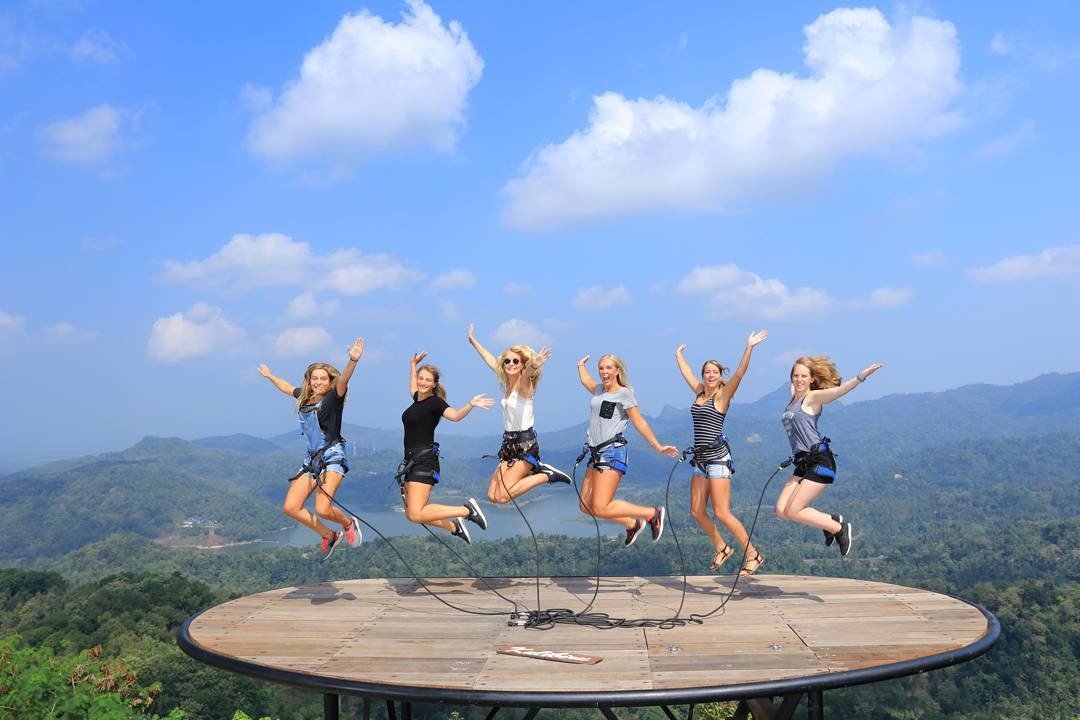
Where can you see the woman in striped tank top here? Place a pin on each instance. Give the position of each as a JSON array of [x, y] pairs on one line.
[[712, 462]]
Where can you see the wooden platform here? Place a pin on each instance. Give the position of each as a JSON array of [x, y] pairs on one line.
[[391, 639]]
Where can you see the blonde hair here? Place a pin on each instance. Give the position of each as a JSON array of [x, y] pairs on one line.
[[723, 370], [622, 378], [438, 389], [525, 352], [306, 393], [823, 372]]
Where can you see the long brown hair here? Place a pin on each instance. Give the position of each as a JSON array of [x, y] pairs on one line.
[[438, 389], [723, 370], [823, 372], [306, 393]]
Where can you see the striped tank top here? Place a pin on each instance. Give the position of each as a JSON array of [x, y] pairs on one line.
[[708, 425]]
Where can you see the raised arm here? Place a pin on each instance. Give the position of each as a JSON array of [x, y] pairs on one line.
[[744, 362], [456, 414], [280, 384], [646, 432], [488, 358], [532, 367], [356, 350], [696, 386], [413, 363], [821, 397], [584, 376]]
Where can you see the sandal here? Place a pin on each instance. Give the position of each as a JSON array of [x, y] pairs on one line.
[[751, 566], [721, 557]]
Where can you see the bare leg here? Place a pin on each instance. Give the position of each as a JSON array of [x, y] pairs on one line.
[[418, 510], [324, 507], [798, 507], [699, 494], [721, 501], [602, 502], [512, 481], [298, 493]]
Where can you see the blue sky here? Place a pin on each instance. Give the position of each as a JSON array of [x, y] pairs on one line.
[[191, 190]]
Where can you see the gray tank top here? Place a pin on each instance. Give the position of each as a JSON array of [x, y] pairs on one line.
[[800, 426]]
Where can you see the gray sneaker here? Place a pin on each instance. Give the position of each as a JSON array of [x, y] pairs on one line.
[[476, 515], [844, 539], [829, 537], [461, 531], [555, 475], [633, 532], [329, 544]]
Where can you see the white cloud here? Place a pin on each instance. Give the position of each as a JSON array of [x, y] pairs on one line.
[[1008, 143], [753, 438], [601, 298], [871, 86], [10, 322], [515, 331], [516, 289], [999, 45], [373, 86], [452, 280], [1056, 262], [91, 138], [300, 341], [201, 330], [449, 311], [11, 329], [67, 334], [738, 293], [249, 261], [886, 297], [305, 305], [97, 46], [930, 259], [256, 98]]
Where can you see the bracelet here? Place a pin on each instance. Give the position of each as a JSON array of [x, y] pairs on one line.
[[860, 378]]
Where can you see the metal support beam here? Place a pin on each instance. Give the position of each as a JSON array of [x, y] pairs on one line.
[[815, 705], [606, 711], [491, 714], [331, 704], [391, 714]]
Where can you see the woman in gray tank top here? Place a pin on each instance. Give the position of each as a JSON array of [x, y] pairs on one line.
[[815, 382], [613, 404], [713, 467]]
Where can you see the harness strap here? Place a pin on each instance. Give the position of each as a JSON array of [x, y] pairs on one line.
[[315, 462]]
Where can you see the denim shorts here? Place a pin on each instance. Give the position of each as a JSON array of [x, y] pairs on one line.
[[613, 457], [334, 460], [714, 470]]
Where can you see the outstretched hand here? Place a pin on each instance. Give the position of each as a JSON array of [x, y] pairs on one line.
[[418, 357], [870, 371], [669, 450], [264, 370], [481, 401], [756, 338], [472, 336], [679, 350], [583, 360], [541, 357], [356, 350]]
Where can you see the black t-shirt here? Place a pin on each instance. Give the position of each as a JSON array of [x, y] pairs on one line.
[[329, 410], [420, 420]]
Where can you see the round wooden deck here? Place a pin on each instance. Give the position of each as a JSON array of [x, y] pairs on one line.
[[779, 634]]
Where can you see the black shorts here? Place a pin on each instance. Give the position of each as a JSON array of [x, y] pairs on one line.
[[520, 445], [423, 465], [818, 466]]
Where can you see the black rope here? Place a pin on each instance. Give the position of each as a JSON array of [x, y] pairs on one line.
[[335, 501]]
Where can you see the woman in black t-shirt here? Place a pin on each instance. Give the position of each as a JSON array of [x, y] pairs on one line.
[[420, 469]]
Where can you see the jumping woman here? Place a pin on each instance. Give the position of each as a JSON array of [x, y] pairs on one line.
[[519, 469], [319, 404], [712, 463], [613, 404], [420, 469], [814, 382]]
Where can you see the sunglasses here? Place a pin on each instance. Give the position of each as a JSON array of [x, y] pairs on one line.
[[511, 361]]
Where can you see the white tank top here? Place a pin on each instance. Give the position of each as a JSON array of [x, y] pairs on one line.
[[517, 412]]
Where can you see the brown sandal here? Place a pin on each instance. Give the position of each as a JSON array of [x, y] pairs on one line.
[[751, 566], [721, 557]]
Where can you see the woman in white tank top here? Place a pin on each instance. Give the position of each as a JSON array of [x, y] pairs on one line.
[[519, 469]]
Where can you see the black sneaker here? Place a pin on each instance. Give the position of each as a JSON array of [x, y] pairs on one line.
[[829, 537], [555, 475], [328, 544], [460, 530], [632, 533], [476, 515], [657, 522], [844, 538]]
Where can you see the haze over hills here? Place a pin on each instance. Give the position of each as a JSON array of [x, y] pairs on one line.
[[935, 442]]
